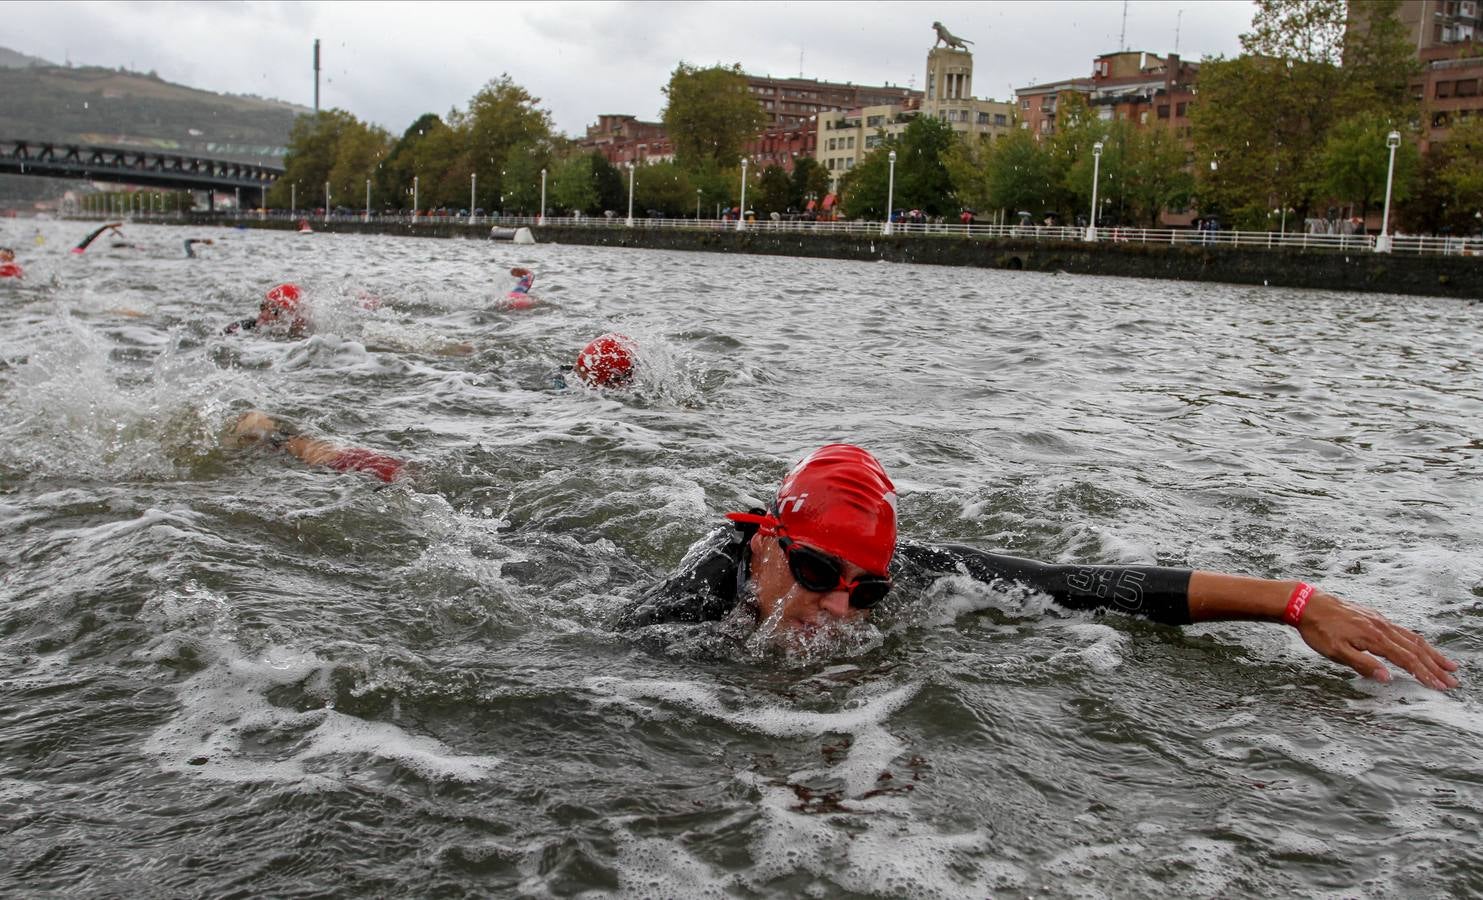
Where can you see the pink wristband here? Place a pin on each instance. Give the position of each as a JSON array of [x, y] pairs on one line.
[[1297, 603]]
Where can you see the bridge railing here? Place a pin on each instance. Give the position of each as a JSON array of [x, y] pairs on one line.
[[1349, 243]]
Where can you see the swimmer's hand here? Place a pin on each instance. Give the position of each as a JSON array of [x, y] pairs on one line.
[[1355, 635], [254, 426]]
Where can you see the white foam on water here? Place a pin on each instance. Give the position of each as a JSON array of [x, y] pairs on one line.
[[872, 847], [653, 867], [1101, 652], [73, 411], [1322, 749], [227, 730]]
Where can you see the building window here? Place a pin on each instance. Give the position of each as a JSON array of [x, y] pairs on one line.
[[1163, 110], [1143, 118], [1444, 90], [874, 121], [850, 142], [830, 163], [1001, 119], [1468, 88], [872, 141], [1180, 109], [983, 118], [849, 163], [1024, 104]]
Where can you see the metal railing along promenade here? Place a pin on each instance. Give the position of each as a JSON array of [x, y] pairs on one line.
[[1356, 243]]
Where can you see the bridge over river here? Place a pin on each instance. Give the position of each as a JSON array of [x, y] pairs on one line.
[[145, 168]]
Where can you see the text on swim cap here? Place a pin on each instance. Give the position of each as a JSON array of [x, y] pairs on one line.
[[795, 499]]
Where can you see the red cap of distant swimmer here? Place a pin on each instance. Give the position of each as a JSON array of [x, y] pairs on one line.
[[607, 361]]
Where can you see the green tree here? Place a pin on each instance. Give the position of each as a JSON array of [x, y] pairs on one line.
[[922, 178], [663, 187], [710, 114], [810, 181], [574, 186], [501, 117], [1158, 176], [774, 191], [520, 181], [1379, 62], [1289, 80], [1355, 161], [967, 165], [1019, 176], [358, 156], [1462, 171], [313, 149]]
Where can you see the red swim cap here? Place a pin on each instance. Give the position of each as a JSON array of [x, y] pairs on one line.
[[839, 499], [10, 270], [607, 361], [284, 298]]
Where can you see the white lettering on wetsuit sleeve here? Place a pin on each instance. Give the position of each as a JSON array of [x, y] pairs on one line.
[[1123, 586]]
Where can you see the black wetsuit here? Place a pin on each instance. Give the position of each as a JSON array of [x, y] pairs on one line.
[[244, 325], [190, 246], [715, 571]]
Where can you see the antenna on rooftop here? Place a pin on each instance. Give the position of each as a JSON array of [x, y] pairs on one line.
[[800, 62], [1122, 39], [1176, 30]]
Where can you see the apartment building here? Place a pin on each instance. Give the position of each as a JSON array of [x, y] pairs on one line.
[[843, 139], [1141, 87]]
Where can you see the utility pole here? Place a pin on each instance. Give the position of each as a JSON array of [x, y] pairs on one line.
[[316, 76]]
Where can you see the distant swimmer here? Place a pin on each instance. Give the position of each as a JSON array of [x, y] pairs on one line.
[[257, 428], [519, 295], [279, 309], [190, 244], [608, 361], [93, 235], [9, 268]]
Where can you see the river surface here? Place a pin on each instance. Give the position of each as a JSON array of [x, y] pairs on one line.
[[226, 673]]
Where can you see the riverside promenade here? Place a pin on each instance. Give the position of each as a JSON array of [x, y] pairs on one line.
[[1420, 266]]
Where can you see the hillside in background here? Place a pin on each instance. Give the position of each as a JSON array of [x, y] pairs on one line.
[[126, 109], [94, 105]]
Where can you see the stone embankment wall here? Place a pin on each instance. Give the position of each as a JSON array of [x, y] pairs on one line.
[[1444, 276]]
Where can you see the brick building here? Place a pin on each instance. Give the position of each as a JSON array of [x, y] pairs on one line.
[[1144, 88], [1448, 36], [790, 132]]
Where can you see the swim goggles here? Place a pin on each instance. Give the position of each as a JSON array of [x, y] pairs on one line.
[[816, 570]]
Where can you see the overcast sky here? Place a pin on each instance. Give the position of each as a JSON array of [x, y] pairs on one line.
[[390, 62]]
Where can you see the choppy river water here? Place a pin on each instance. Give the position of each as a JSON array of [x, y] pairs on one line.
[[225, 673]]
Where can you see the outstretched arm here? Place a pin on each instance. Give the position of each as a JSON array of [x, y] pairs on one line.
[[256, 427], [1346, 633]]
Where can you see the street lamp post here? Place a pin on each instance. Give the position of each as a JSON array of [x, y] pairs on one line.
[[293, 198], [326, 201], [368, 199], [630, 193], [1382, 243], [890, 191], [697, 204], [473, 191], [1096, 175], [541, 220], [741, 213], [414, 196]]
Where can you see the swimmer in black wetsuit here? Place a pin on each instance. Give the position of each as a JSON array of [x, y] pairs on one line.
[[826, 553], [93, 235], [190, 245]]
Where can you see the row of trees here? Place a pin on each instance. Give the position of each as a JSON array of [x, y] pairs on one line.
[[1282, 130]]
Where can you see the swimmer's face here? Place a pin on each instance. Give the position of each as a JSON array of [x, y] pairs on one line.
[[7, 254], [792, 606]]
